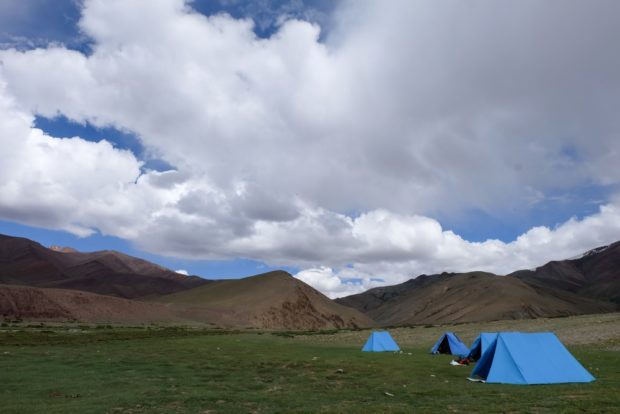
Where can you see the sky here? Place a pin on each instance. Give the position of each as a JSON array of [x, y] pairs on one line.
[[352, 143]]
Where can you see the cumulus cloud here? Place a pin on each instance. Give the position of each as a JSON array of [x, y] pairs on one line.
[[60, 182], [449, 252], [328, 153]]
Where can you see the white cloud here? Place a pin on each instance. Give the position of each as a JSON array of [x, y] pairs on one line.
[[182, 272], [445, 251], [335, 284], [394, 116], [65, 183]]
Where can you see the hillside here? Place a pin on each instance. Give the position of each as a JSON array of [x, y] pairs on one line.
[[28, 303], [25, 262], [586, 284], [274, 300], [466, 297], [596, 274], [55, 281]]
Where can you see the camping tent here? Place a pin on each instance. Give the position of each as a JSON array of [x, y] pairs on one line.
[[529, 358], [380, 341], [481, 343], [449, 343]]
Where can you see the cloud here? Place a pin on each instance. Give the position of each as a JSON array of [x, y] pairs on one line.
[[65, 183], [328, 153], [335, 284], [182, 272], [444, 251]]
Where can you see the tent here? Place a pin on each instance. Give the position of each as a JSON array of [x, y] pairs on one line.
[[481, 343], [449, 343], [529, 358], [380, 341]]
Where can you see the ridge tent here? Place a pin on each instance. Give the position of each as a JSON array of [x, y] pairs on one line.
[[380, 341], [529, 358], [449, 343], [481, 343]]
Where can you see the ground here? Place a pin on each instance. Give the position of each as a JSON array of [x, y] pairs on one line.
[[69, 368]]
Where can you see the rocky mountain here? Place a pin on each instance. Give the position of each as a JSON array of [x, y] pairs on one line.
[[595, 274], [25, 262], [587, 284], [273, 300]]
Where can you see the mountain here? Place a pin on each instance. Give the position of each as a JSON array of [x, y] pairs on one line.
[[274, 300], [595, 274], [28, 303], [60, 283], [466, 297], [586, 284], [25, 262]]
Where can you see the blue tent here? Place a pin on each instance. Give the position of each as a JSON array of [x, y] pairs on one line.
[[529, 358], [449, 343], [481, 343], [380, 342]]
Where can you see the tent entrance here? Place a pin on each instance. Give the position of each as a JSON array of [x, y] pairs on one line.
[[444, 346]]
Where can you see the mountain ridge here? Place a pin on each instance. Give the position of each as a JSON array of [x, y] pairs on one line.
[[108, 272], [589, 283], [38, 283]]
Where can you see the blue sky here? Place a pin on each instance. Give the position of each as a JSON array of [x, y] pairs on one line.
[[228, 150]]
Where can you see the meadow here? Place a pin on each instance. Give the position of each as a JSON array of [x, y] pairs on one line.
[[70, 368]]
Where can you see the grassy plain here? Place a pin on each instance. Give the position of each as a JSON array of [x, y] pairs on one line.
[[101, 369]]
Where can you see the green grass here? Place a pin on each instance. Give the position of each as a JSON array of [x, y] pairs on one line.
[[70, 369]]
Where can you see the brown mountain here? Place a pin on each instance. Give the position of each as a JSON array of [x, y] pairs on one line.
[[589, 284], [28, 303], [25, 262], [274, 300], [596, 274], [62, 284]]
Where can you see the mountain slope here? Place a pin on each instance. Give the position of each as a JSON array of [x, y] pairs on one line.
[[274, 300], [25, 262], [24, 302], [596, 274], [467, 297]]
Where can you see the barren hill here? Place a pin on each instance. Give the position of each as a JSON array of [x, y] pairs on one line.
[[23, 302], [25, 262], [274, 300], [587, 284], [466, 297], [596, 274]]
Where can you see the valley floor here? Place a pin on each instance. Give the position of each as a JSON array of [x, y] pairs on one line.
[[104, 369]]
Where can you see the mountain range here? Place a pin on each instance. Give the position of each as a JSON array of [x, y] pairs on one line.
[[108, 286], [588, 284], [58, 283]]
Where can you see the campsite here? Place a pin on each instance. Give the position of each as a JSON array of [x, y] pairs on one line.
[[309, 206], [64, 368]]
